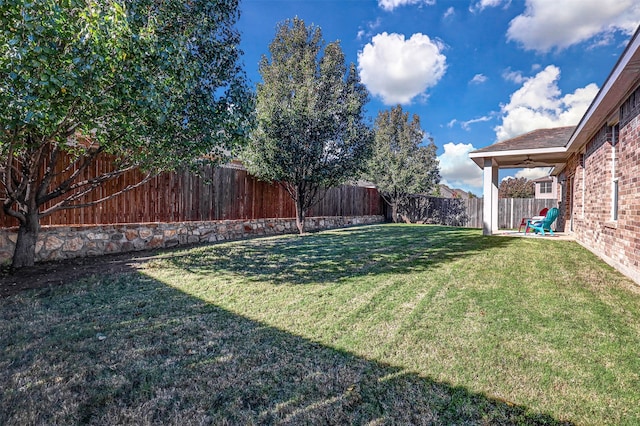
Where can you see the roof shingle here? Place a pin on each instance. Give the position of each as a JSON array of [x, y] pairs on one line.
[[536, 139]]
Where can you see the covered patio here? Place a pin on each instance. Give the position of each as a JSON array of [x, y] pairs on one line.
[[539, 148], [557, 235]]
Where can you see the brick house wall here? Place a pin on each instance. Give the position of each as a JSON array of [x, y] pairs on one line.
[[588, 194]]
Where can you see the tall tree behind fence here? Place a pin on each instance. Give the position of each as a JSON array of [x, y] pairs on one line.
[[216, 194], [442, 211]]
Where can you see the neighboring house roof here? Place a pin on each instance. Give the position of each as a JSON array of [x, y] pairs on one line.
[[462, 194], [545, 147], [363, 183], [543, 179], [446, 192], [234, 164]]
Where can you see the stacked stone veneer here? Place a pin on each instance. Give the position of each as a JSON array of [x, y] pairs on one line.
[[65, 242]]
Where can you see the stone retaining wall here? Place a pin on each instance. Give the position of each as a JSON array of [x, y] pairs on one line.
[[64, 242]]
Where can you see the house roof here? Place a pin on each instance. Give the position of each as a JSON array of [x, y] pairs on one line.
[[552, 147], [536, 139], [538, 148]]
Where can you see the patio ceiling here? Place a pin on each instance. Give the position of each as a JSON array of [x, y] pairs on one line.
[[539, 148]]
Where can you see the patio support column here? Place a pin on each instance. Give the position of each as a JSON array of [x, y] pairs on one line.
[[490, 208]]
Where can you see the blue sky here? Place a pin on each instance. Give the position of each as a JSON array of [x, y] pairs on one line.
[[475, 71]]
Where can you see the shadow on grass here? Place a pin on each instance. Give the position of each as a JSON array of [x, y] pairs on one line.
[[332, 255], [132, 350]]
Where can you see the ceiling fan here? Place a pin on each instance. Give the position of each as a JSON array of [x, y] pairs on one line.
[[529, 162]]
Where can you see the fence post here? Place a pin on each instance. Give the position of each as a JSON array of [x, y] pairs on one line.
[[511, 223]]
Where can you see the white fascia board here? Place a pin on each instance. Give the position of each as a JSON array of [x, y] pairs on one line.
[[554, 150]]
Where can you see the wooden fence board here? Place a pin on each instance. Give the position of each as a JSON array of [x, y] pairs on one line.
[[474, 208], [469, 212], [219, 193]]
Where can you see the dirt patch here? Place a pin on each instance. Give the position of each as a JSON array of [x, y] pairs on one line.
[[48, 274]]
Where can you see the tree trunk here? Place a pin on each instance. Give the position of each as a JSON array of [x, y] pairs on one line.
[[299, 216], [25, 252], [394, 212]]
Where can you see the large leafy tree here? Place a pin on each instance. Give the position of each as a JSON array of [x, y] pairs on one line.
[[401, 163], [311, 133], [516, 188], [153, 84]]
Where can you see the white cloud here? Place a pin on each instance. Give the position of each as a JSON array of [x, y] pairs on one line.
[[466, 125], [370, 27], [549, 24], [483, 4], [533, 173], [398, 70], [513, 76], [458, 170], [449, 12], [389, 5], [479, 79], [539, 104]]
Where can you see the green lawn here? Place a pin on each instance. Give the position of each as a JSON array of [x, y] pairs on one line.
[[373, 325]]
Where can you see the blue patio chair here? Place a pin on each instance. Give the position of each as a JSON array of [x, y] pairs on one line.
[[544, 224]]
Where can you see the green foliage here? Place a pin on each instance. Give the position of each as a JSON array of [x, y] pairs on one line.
[[516, 188], [311, 133], [401, 165], [156, 84]]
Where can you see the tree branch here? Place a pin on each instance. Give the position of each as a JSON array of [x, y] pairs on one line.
[[6, 206], [287, 187], [66, 203], [48, 174], [66, 185], [88, 183]]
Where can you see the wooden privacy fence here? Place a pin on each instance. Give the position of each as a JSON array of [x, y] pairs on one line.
[[216, 194], [474, 208], [230, 193], [512, 210], [469, 212]]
